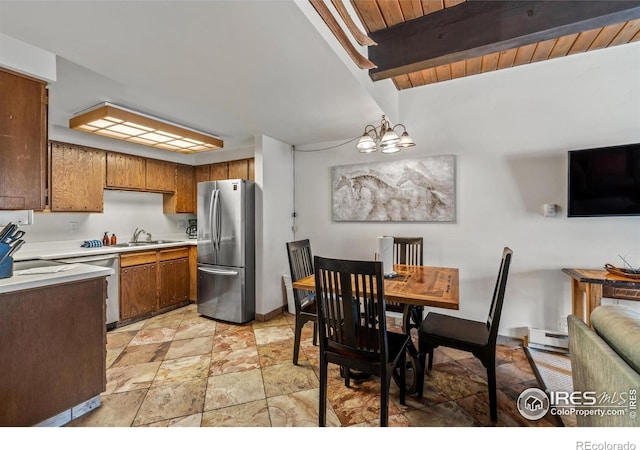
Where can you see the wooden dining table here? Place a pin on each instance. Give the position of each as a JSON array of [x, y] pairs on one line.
[[437, 287], [416, 286]]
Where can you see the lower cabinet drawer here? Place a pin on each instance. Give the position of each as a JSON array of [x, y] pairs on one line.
[[137, 258]]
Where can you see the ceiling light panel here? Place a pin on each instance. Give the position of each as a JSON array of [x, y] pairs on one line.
[[117, 122]]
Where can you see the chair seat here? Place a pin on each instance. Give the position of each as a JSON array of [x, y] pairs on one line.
[[454, 329]]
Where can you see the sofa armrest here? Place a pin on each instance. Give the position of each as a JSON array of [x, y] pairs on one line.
[[595, 367]]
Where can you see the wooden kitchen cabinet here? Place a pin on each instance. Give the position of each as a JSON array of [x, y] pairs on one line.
[[138, 284], [126, 172], [77, 178], [53, 347], [23, 142], [160, 176], [153, 280], [184, 198], [202, 173], [218, 171], [239, 169], [212, 172], [174, 276]]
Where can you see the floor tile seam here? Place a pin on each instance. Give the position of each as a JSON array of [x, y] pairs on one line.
[[329, 405], [135, 416], [187, 356], [264, 389], [482, 374], [154, 377], [235, 404], [145, 397], [180, 380]]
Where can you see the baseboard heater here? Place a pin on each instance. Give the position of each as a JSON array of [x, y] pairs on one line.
[[548, 340]]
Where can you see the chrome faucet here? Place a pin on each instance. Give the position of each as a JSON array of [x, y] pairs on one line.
[[138, 232]]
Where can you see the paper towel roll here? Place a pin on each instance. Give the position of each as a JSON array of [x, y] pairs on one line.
[[385, 250]]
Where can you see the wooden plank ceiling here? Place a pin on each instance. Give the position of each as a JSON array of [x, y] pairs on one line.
[[383, 18]]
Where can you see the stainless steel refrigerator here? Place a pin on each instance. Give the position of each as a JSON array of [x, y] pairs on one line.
[[226, 250]]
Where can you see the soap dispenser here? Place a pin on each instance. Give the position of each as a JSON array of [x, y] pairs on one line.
[[105, 238], [113, 239]]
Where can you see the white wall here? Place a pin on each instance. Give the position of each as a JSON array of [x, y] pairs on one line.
[[274, 208], [27, 59], [123, 212], [510, 131]]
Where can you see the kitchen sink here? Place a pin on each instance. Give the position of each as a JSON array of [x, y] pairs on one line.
[[143, 243]]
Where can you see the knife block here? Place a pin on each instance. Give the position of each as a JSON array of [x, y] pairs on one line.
[[6, 266]]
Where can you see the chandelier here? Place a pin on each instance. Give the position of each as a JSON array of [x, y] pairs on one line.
[[384, 137]]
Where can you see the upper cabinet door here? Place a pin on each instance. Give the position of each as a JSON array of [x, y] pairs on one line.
[[184, 198], [161, 176], [203, 173], [218, 171], [77, 178], [239, 169], [23, 142], [126, 171]]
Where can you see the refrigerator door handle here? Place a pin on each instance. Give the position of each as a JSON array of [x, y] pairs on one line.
[[212, 215], [218, 220], [229, 273]]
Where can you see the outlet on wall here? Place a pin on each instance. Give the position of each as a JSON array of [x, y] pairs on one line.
[[73, 227], [181, 225]]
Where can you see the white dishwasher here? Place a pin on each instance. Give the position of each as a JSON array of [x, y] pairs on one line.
[[111, 260]]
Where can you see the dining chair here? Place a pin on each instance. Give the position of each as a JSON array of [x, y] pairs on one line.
[[352, 327], [407, 250], [301, 265], [476, 337]]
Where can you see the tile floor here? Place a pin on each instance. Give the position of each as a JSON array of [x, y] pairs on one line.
[[180, 369]]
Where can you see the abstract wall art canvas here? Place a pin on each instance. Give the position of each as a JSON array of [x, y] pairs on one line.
[[409, 190]]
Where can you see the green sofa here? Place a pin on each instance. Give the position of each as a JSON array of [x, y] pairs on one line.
[[606, 360]]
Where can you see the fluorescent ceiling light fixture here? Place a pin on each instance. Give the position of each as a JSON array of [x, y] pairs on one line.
[[384, 137], [107, 119]]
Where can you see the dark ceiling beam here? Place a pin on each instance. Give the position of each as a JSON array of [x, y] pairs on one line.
[[477, 28]]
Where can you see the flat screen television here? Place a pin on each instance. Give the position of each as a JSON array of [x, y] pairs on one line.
[[604, 181]]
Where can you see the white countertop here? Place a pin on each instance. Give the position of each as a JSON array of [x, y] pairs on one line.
[[71, 249], [77, 272], [40, 254]]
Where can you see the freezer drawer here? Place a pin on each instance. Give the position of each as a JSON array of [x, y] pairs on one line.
[[224, 294]]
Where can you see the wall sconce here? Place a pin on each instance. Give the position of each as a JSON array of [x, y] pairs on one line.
[[117, 122], [384, 137]]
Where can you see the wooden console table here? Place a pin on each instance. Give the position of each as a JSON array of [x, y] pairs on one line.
[[589, 286]]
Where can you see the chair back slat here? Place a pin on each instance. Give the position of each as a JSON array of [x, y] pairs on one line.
[[351, 308], [300, 265], [407, 250], [495, 311]]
